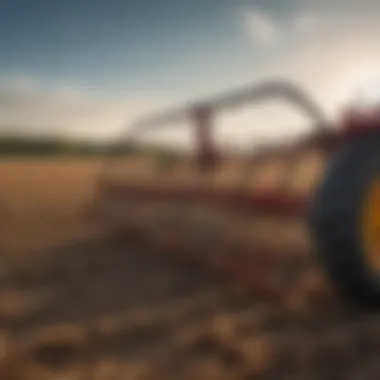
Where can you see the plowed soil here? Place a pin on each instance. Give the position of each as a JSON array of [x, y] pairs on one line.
[[102, 310], [86, 306]]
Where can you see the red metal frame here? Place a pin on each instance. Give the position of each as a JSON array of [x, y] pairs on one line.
[[241, 264], [355, 123], [277, 200], [207, 155]]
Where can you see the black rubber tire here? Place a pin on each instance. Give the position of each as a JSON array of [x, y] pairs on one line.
[[335, 220]]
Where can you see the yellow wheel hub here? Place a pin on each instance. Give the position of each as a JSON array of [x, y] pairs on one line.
[[371, 226]]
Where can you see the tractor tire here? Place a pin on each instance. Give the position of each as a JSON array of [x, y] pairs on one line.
[[338, 223]]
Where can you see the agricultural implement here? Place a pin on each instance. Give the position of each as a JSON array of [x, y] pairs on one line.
[[278, 207]]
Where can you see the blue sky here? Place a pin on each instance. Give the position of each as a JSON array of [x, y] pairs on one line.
[[127, 46], [74, 66]]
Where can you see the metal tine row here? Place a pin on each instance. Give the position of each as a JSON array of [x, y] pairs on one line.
[[257, 249], [225, 176], [246, 252], [201, 227]]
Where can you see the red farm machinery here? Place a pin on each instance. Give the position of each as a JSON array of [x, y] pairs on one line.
[[278, 207]]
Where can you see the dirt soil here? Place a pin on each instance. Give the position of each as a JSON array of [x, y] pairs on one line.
[[103, 310], [75, 305]]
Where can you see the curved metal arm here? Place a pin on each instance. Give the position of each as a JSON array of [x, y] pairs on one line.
[[273, 89]]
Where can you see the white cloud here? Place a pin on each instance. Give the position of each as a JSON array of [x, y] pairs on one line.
[[26, 106], [331, 62], [338, 51], [265, 30], [262, 28]]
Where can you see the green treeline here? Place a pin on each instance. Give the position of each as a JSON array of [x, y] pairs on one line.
[[43, 146], [33, 146]]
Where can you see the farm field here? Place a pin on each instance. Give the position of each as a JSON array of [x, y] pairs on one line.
[[43, 203], [78, 303]]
